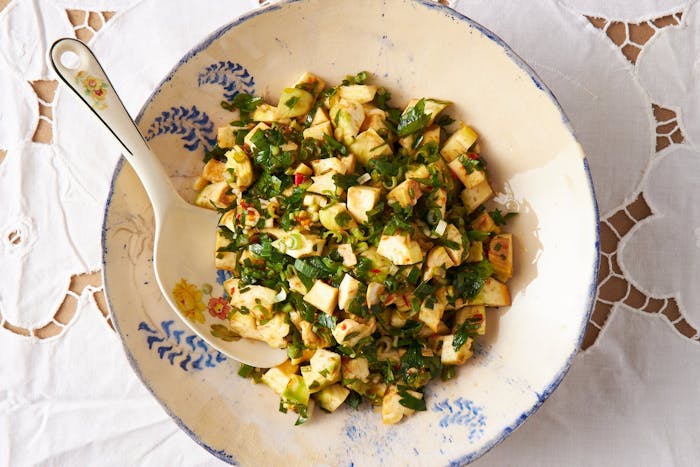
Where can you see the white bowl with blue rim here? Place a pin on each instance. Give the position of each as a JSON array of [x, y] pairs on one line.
[[414, 48]]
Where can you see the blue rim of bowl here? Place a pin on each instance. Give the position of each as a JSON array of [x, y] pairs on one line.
[[468, 458]]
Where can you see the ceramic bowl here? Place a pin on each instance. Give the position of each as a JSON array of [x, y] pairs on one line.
[[414, 48]]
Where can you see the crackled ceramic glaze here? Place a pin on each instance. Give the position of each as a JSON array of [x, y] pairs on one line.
[[414, 48]]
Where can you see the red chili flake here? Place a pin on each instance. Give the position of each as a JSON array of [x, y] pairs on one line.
[[376, 271], [299, 179], [473, 156], [343, 326], [479, 316], [244, 205]]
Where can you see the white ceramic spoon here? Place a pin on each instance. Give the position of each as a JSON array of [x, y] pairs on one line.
[[184, 237]]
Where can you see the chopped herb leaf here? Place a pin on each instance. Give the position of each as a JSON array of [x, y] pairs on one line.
[[477, 235], [413, 120], [291, 102], [411, 402], [444, 120], [500, 218], [345, 181], [359, 78], [468, 329], [245, 370], [469, 278], [353, 400], [217, 153], [343, 219]]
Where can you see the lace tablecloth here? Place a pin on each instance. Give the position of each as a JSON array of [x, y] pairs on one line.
[[628, 75]]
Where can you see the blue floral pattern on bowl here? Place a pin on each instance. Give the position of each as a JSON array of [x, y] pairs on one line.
[[193, 125], [233, 77], [177, 346], [462, 412]]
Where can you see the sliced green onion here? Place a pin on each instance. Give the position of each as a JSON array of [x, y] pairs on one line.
[[293, 241], [441, 227], [364, 178], [280, 297]]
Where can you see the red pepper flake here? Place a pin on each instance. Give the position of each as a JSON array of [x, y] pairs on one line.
[[299, 179], [479, 316], [376, 271], [343, 326], [244, 205], [473, 156]]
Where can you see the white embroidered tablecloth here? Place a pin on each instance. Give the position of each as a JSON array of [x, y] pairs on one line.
[[626, 72]]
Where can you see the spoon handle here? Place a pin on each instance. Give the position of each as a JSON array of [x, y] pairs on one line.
[[78, 68]]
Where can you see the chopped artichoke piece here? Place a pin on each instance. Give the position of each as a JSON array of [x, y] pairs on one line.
[[430, 313], [311, 83], [361, 93], [265, 113], [406, 193], [458, 143], [452, 234], [476, 196], [484, 223], [332, 397], [400, 249], [347, 290], [450, 356], [476, 314], [469, 179], [294, 102], [493, 293], [318, 131], [349, 332], [432, 108], [325, 185], [392, 410], [239, 170], [330, 164], [437, 263], [297, 244], [347, 117], [322, 296], [362, 199], [369, 145], [336, 217], [214, 196], [248, 139], [501, 256], [214, 171]]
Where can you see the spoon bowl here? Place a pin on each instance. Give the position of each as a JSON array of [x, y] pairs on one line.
[[184, 245]]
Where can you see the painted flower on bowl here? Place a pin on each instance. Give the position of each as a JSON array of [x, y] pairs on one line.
[[189, 300], [94, 88], [218, 307]]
